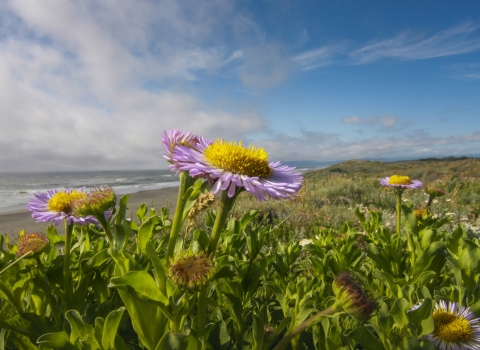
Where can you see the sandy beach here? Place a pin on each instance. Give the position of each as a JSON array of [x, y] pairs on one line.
[[12, 222]]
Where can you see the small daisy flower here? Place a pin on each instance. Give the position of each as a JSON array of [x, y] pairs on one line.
[[55, 205], [402, 182], [173, 138], [231, 166], [455, 327]]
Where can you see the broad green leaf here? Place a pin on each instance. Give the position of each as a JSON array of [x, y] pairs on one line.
[[173, 341], [399, 312], [422, 317], [365, 338], [110, 328], [430, 259], [142, 284], [218, 336], [57, 340]]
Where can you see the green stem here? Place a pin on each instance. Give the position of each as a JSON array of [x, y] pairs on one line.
[[177, 219], [306, 324], [67, 260], [106, 227], [398, 197], [222, 212], [16, 261], [224, 207]]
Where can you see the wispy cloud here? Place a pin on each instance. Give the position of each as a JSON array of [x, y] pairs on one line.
[[320, 146], [387, 121], [320, 57], [452, 41], [467, 70]]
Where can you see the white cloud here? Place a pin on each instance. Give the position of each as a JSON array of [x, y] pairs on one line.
[[408, 46], [320, 57], [319, 146], [72, 76], [387, 121]]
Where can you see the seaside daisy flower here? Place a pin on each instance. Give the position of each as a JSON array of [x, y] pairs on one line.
[[34, 243], [401, 182], [173, 138], [455, 327], [56, 205], [230, 166]]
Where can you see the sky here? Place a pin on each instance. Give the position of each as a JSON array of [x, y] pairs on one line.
[[91, 85]]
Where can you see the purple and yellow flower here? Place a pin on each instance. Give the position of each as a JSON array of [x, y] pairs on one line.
[[34, 243], [455, 327], [401, 182], [55, 206], [231, 166], [173, 138]]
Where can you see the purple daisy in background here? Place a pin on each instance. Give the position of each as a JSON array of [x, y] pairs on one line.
[[455, 327], [173, 138], [398, 181], [230, 166], [56, 205]]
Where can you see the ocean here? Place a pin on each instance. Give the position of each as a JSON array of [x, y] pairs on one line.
[[16, 189]]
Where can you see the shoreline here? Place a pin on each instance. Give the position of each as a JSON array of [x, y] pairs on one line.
[[12, 222]]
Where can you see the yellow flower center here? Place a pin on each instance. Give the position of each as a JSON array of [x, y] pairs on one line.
[[451, 328], [399, 180], [61, 202], [235, 158]]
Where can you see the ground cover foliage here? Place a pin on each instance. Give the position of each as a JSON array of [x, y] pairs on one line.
[[275, 269]]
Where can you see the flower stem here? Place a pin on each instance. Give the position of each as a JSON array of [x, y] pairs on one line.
[[226, 204], [67, 260], [222, 212], [306, 324], [398, 196], [177, 219], [106, 227], [16, 261]]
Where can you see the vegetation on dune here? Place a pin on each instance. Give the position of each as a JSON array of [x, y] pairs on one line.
[[353, 263], [330, 196]]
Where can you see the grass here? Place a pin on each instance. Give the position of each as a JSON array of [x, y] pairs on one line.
[[330, 196]]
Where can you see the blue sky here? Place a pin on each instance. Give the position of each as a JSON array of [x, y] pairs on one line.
[[92, 85]]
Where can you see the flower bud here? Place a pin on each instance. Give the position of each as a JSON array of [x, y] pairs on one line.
[[96, 203], [352, 298], [435, 192], [31, 242], [191, 272]]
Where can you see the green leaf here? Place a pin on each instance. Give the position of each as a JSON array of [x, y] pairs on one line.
[[202, 238], [80, 331], [247, 217], [365, 338], [141, 212], [173, 341], [399, 312], [219, 338], [110, 328], [378, 255], [422, 317], [142, 284], [57, 340], [97, 260], [430, 259]]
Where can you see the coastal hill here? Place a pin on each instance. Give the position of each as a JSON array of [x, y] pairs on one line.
[[427, 169]]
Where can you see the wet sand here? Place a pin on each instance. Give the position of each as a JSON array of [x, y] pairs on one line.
[[12, 222]]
